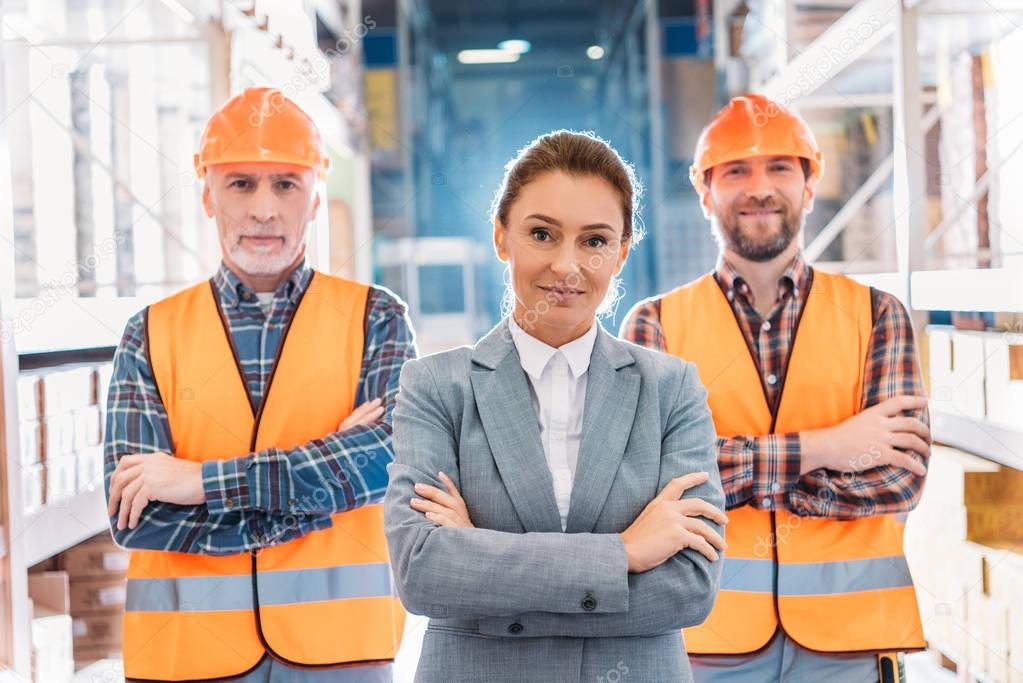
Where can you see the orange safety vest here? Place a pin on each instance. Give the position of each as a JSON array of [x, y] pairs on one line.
[[323, 600], [831, 585]]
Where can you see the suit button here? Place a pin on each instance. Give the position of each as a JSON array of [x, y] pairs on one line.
[[515, 629], [589, 604]]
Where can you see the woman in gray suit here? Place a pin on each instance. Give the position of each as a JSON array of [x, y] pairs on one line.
[[554, 503]]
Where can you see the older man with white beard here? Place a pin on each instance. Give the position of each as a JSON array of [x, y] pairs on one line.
[[249, 434]]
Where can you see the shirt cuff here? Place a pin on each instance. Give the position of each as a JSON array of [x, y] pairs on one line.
[[226, 484], [777, 466]]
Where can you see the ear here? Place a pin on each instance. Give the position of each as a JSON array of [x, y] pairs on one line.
[[499, 236], [207, 201], [706, 205], [623, 255], [808, 194], [316, 206]]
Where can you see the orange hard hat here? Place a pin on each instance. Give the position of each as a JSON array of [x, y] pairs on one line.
[[750, 126], [261, 124]]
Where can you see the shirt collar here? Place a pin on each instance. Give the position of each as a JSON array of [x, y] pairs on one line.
[[232, 292], [534, 355], [793, 279]]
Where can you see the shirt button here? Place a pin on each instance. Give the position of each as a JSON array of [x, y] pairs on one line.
[[772, 380], [248, 296], [589, 604], [766, 325], [768, 502], [515, 629], [229, 503], [775, 486]]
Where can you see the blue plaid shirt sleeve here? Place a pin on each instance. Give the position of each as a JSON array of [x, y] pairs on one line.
[[137, 423], [340, 471]]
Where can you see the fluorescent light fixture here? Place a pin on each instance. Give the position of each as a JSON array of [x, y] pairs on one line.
[[487, 57], [595, 52], [517, 46]]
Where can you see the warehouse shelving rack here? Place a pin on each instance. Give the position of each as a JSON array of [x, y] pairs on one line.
[[883, 68]]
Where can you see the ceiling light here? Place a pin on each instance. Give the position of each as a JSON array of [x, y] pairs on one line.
[[487, 57], [517, 46], [594, 52]]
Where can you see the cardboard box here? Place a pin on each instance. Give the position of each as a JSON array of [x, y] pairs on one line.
[[33, 488], [50, 590], [30, 446], [97, 630], [104, 373], [52, 646], [67, 389], [956, 366], [96, 558], [52, 651], [92, 595], [90, 467], [104, 671], [87, 430], [58, 436], [29, 397], [61, 479], [1003, 377]]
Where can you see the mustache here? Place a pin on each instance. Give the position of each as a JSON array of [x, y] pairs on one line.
[[753, 203], [258, 230]]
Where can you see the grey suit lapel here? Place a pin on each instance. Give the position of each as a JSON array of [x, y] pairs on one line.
[[611, 398], [502, 397]]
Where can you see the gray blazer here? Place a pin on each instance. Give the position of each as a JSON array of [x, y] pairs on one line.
[[516, 599]]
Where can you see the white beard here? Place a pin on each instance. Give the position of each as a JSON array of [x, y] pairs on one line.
[[265, 262]]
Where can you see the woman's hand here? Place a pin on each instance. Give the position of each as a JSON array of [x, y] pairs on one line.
[[443, 509], [668, 525]]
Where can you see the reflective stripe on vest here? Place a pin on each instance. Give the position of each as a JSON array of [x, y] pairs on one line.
[[842, 586], [325, 599], [816, 578], [226, 593]]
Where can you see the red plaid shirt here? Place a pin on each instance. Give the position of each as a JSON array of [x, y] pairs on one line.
[[765, 468]]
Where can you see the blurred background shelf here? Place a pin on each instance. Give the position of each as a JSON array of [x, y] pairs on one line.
[[993, 289], [987, 439], [56, 528]]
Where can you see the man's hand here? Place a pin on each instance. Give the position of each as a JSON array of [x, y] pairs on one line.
[[147, 477], [443, 509], [878, 436], [368, 412]]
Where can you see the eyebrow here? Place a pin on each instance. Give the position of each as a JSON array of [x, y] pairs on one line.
[[554, 221], [774, 159], [290, 175]]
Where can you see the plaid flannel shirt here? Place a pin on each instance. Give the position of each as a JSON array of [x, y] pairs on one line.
[[763, 470], [275, 495]]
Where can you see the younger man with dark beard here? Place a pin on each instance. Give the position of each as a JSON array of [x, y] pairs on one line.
[[816, 395]]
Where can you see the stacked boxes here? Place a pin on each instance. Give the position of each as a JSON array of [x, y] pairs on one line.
[[52, 659], [969, 582], [977, 374], [61, 413], [97, 570]]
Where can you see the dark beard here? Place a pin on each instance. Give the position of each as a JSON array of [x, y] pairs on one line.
[[731, 235]]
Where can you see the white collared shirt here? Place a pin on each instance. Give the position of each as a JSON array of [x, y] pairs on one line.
[[557, 378]]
